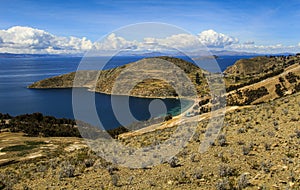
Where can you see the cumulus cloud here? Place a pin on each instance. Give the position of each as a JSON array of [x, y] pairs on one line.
[[114, 42], [212, 39], [21, 39], [183, 42]]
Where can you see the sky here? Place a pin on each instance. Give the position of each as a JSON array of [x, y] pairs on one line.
[[270, 26]]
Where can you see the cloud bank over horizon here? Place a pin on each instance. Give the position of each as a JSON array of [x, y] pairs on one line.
[[20, 39]]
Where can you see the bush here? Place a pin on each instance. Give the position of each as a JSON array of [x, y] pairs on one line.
[[246, 150], [67, 170], [115, 180], [297, 87], [281, 80], [17, 148], [222, 140], [252, 95], [291, 77], [297, 133], [226, 171], [198, 79], [223, 185], [243, 181], [117, 131], [5, 116], [193, 157], [173, 162], [265, 166], [111, 169], [267, 146], [203, 102], [89, 162], [198, 174], [255, 80], [279, 90], [38, 125], [168, 117], [241, 130]]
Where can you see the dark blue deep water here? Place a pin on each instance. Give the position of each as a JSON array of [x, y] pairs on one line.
[[17, 73]]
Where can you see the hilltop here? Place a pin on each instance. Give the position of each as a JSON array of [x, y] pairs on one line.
[[150, 87]]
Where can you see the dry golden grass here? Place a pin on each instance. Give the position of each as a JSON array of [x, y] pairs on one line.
[[261, 152]]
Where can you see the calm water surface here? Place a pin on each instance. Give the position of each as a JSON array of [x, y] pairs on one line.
[[17, 73]]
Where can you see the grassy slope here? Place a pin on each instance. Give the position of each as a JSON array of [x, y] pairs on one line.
[[146, 88], [269, 83], [262, 143]]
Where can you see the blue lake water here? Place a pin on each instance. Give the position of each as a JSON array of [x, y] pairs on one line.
[[17, 73]]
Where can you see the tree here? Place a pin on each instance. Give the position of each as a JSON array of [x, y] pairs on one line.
[[278, 90], [168, 117], [198, 81]]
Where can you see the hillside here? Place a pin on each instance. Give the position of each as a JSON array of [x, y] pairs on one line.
[[258, 148], [261, 79], [285, 83], [244, 72], [247, 82], [150, 87], [249, 71]]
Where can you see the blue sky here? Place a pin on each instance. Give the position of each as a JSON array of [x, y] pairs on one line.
[[263, 22]]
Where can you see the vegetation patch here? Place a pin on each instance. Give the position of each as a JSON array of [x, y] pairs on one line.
[[18, 148], [29, 145]]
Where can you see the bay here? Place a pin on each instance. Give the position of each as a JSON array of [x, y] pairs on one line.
[[17, 73]]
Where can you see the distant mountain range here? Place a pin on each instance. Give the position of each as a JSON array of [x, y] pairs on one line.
[[147, 54], [193, 54], [13, 55]]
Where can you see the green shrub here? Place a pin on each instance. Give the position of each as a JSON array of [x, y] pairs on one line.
[[17, 148]]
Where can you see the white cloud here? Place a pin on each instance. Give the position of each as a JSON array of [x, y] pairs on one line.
[[113, 42], [178, 41], [21, 39], [208, 38], [212, 39]]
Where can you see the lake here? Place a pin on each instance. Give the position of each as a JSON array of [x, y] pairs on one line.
[[17, 73]]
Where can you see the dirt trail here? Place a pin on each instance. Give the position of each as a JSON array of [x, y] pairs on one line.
[[181, 119], [178, 120]]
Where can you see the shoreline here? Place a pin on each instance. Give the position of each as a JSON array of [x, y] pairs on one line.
[[106, 93], [191, 101]]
